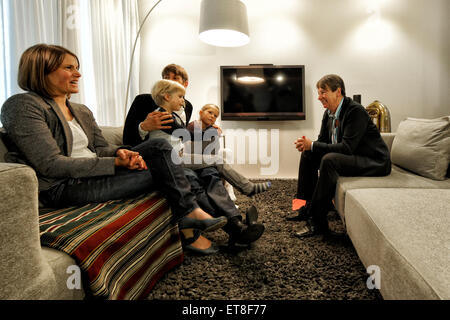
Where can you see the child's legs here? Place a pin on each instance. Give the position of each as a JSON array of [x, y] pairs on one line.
[[236, 179], [199, 191], [225, 170], [168, 177], [216, 192]]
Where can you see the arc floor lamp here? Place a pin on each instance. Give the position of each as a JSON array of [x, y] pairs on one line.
[[223, 23]]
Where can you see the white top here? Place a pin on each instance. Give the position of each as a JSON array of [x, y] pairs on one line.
[[80, 142], [182, 115]]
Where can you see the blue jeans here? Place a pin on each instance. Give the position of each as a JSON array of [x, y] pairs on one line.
[[163, 175]]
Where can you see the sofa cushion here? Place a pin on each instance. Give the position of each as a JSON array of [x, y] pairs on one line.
[[113, 135], [423, 146], [388, 138], [405, 233], [399, 178]]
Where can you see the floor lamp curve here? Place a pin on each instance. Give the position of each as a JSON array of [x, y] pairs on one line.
[[132, 54]]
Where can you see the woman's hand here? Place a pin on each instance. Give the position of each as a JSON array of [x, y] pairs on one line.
[[130, 159], [303, 144]]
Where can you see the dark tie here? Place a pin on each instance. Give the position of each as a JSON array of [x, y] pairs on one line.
[[333, 129]]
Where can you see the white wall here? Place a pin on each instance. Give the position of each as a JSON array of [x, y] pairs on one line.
[[403, 61]]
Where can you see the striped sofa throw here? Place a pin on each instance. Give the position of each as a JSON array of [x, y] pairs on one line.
[[123, 247]]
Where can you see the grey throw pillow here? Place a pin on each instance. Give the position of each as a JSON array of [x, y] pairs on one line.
[[423, 146]]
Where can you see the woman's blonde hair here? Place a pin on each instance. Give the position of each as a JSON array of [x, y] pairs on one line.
[[163, 87], [36, 63]]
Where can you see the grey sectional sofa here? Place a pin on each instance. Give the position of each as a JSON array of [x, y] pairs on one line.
[[400, 224]]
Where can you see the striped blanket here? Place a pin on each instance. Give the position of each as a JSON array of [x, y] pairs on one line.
[[123, 247]]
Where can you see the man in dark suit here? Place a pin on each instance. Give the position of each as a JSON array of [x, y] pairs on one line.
[[143, 107], [349, 144]]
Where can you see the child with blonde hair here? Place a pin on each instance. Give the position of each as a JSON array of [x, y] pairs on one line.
[[207, 122], [169, 96]]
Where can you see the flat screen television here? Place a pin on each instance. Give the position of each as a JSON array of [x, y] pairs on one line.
[[262, 92]]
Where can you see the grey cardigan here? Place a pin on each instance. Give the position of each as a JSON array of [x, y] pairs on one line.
[[41, 138]]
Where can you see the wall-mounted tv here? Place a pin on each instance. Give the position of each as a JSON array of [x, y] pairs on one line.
[[262, 92]]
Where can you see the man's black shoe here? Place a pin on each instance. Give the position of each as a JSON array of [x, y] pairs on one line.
[[307, 231], [312, 229], [302, 215]]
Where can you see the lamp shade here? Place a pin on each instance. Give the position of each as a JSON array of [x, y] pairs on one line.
[[223, 23]]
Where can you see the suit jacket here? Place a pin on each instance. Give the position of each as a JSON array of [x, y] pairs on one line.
[[41, 138], [142, 105], [356, 134]]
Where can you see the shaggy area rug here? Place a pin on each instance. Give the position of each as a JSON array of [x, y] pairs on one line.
[[278, 266]]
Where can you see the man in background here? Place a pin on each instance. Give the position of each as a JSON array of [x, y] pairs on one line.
[[143, 107]]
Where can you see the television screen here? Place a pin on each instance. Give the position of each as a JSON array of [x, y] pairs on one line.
[[263, 92]]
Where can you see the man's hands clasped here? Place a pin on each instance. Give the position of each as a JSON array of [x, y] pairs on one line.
[[303, 144]]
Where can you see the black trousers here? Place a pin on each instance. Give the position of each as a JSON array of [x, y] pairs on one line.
[[318, 175]]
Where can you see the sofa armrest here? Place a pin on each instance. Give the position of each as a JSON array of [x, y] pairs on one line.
[[24, 273], [388, 138]]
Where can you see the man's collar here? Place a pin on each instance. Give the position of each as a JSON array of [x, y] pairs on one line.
[[338, 110]]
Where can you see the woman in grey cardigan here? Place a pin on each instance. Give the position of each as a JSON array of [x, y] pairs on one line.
[[73, 162]]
